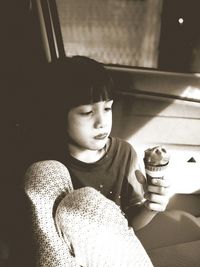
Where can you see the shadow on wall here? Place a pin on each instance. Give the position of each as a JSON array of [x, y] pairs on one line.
[[131, 113], [151, 113], [127, 104]]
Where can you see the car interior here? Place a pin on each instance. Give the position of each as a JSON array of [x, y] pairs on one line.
[[151, 49]]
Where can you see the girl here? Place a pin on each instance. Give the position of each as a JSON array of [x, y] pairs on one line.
[[77, 208], [91, 155]]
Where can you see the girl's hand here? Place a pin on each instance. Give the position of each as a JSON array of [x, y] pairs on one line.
[[157, 195]]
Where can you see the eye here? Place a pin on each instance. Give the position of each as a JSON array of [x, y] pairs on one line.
[[86, 113], [108, 108], [108, 105]]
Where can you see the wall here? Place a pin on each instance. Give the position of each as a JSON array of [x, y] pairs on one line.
[[148, 120], [157, 113], [152, 105]]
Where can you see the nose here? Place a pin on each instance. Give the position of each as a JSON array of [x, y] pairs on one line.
[[100, 120]]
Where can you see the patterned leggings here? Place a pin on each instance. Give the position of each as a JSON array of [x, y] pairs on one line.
[[77, 227]]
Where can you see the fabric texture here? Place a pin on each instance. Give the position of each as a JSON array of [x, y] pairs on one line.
[[77, 228], [96, 231], [113, 175], [45, 183]]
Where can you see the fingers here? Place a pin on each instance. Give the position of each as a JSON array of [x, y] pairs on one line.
[[158, 194], [157, 199], [161, 182], [155, 206], [164, 191], [156, 202], [159, 186]]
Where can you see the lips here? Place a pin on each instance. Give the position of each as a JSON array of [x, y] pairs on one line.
[[101, 136]]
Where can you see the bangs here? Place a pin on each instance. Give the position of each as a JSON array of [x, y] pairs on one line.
[[89, 95], [91, 82], [99, 94], [80, 81]]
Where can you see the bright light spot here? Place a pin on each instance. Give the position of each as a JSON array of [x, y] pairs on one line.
[[191, 92], [184, 178], [181, 20]]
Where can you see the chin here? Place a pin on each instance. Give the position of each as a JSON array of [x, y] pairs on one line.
[[100, 144]]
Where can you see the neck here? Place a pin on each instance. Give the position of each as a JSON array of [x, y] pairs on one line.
[[86, 155]]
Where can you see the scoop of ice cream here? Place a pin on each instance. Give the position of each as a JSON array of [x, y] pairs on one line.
[[156, 156]]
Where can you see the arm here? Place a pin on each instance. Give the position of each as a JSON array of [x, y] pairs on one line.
[[142, 201], [139, 216], [157, 198]]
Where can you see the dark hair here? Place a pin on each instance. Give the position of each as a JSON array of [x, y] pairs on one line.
[[60, 86], [64, 84], [80, 80]]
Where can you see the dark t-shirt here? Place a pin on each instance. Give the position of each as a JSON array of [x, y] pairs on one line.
[[113, 175]]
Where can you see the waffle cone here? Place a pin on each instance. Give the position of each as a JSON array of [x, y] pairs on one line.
[[156, 170]]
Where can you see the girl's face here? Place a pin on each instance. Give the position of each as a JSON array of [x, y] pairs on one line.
[[90, 125]]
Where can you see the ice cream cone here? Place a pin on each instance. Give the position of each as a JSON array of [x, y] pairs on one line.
[[156, 161]]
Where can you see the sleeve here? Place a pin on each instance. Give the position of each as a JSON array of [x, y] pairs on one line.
[[135, 191]]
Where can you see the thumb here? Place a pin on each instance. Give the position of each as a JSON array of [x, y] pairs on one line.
[[140, 177]]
